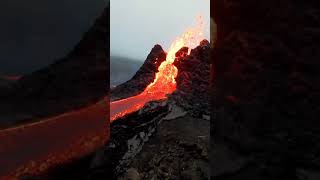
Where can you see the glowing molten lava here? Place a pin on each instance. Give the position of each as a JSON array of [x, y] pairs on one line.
[[164, 82]]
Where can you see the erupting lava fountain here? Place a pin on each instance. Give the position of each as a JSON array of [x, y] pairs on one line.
[[164, 82]]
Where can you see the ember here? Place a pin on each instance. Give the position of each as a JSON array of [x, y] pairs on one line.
[[164, 82]]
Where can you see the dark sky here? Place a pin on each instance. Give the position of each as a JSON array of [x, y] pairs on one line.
[[34, 33]]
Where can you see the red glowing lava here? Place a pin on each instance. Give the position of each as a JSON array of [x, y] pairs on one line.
[[164, 82]]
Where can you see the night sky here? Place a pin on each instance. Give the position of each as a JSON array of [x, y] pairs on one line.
[[34, 33]]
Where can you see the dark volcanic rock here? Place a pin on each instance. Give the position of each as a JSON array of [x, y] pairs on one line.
[[79, 79], [143, 77], [178, 150], [193, 79], [149, 145], [128, 135], [168, 159], [266, 90]]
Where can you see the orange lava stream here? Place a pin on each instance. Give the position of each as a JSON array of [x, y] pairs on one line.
[[164, 82]]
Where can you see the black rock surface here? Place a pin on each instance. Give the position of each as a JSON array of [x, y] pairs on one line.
[[193, 79]]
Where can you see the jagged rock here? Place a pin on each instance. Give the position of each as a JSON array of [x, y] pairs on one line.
[[128, 135], [176, 151], [175, 112], [193, 79], [144, 76]]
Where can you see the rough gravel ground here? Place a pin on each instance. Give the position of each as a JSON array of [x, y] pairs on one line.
[[178, 150]]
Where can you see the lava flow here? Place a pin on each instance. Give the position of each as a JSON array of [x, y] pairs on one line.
[[164, 82]]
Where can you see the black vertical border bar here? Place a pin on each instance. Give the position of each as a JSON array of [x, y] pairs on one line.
[[213, 40], [108, 65]]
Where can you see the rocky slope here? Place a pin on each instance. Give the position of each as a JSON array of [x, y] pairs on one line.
[[266, 90], [193, 79], [177, 150], [156, 141], [144, 76]]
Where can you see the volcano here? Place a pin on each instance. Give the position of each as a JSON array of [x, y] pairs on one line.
[[148, 111], [164, 81], [166, 100]]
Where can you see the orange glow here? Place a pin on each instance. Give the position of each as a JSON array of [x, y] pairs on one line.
[[164, 82]]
